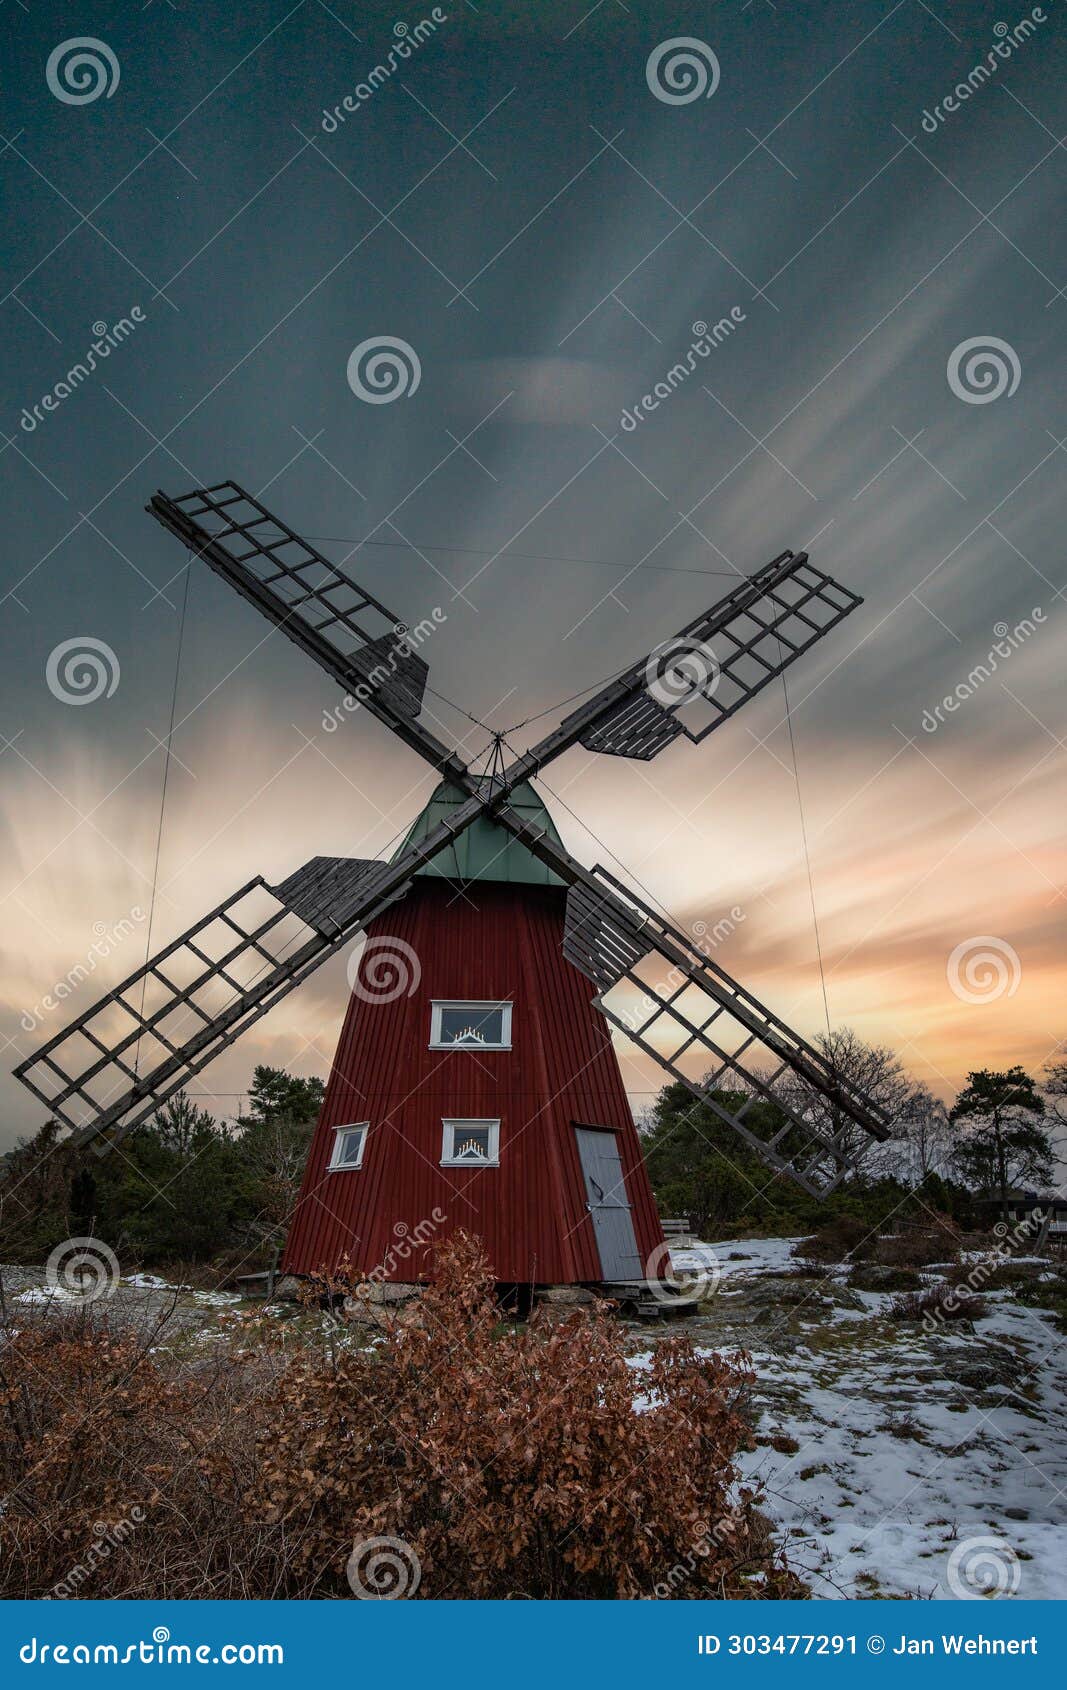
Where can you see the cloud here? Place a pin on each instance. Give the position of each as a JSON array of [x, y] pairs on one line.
[[555, 392]]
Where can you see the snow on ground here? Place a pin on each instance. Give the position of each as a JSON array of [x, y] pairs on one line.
[[137, 1298], [900, 1459], [47, 1294], [721, 1261]]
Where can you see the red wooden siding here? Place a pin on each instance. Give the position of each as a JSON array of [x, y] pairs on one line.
[[490, 941]]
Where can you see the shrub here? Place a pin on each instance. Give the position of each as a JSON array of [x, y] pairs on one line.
[[843, 1239], [920, 1245], [101, 1448], [872, 1276], [1009, 1276], [1050, 1296], [512, 1463], [939, 1303], [515, 1465]]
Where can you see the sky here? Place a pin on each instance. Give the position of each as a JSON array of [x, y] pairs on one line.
[[540, 202]]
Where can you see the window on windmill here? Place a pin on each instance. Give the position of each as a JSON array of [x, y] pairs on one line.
[[348, 1144], [467, 1144], [477, 1026]]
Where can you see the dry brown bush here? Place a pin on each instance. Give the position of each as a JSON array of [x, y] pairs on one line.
[[920, 1245], [842, 1239], [938, 1303], [511, 1462], [935, 1238], [105, 1470]]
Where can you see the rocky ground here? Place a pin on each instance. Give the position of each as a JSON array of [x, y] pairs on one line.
[[897, 1462]]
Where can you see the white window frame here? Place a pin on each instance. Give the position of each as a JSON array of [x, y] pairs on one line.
[[473, 1005], [449, 1128], [335, 1165]]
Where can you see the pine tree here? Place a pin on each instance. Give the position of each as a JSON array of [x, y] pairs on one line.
[[1002, 1140]]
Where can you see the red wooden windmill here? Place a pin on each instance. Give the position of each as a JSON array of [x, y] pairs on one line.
[[475, 1077]]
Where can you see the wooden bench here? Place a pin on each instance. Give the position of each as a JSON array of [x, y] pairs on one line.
[[677, 1232]]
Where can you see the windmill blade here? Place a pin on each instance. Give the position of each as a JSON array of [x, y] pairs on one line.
[[686, 1005], [694, 682], [695, 1008], [349, 632], [117, 1063]]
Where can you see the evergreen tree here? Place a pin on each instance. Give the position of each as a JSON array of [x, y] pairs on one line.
[[1002, 1140], [275, 1137], [275, 1095], [700, 1168]]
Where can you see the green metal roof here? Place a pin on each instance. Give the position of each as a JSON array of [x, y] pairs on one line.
[[485, 851]]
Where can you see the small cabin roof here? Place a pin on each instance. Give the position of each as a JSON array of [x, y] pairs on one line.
[[485, 851]]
